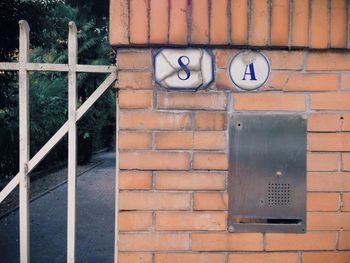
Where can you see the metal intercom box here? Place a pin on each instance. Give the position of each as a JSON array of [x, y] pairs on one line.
[[267, 173]]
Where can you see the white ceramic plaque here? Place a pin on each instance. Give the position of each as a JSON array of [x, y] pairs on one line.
[[187, 69], [249, 70]]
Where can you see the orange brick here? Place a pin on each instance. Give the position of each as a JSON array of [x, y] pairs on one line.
[[345, 162], [300, 23], [222, 80], [135, 99], [152, 160], [311, 82], [211, 121], [326, 257], [210, 201], [330, 101], [259, 23], [345, 202], [159, 21], [134, 80], [328, 220], [178, 22], [199, 257], [239, 22], [322, 201], [134, 180], [134, 258], [322, 162], [221, 58], [210, 161], [278, 79], [328, 142], [200, 22], [128, 59], [138, 21], [280, 22], [328, 61], [285, 59], [119, 22], [328, 181], [263, 258], [174, 140], [338, 23], [213, 140], [323, 122], [324, 240], [134, 140], [153, 242], [190, 221], [345, 81], [132, 221], [154, 120], [344, 240], [269, 101], [186, 100], [218, 22], [319, 24], [153, 201], [227, 241], [190, 181], [346, 122]]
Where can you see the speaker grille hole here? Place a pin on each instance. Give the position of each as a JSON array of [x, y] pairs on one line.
[[278, 194]]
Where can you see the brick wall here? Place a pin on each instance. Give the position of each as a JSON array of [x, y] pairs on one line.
[[173, 150]]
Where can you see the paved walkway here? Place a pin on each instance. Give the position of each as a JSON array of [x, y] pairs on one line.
[[48, 220]]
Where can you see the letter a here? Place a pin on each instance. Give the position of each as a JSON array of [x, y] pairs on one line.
[[251, 72]]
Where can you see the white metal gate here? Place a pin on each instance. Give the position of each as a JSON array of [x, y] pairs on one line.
[[27, 164]]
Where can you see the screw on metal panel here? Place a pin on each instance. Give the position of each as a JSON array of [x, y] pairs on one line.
[[279, 173], [231, 229]]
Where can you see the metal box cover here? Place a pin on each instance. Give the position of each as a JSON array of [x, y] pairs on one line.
[[267, 173]]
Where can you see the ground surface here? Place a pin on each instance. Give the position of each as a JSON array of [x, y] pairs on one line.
[[48, 220]]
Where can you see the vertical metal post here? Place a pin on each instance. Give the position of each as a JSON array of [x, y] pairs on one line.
[[116, 228], [24, 153], [72, 141]]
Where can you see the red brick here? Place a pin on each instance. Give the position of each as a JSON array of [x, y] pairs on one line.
[[218, 22], [345, 81], [221, 58], [346, 122], [198, 257], [338, 23], [154, 120], [239, 22], [311, 82], [324, 122], [186, 100], [132, 221], [190, 181], [328, 220], [153, 201], [152, 160], [134, 180], [263, 258], [328, 181], [328, 61], [330, 101], [344, 240], [119, 22], [324, 240], [300, 23], [319, 24], [210, 201], [134, 80], [210, 161], [345, 162], [345, 202], [259, 23], [200, 22], [285, 59], [227, 241], [138, 21], [322, 201], [178, 22], [135, 99], [222, 80], [174, 140], [211, 140], [269, 101], [322, 162], [280, 22], [211, 121], [129, 59], [328, 142], [134, 258], [326, 257], [191, 221], [153, 242], [134, 140], [159, 21]]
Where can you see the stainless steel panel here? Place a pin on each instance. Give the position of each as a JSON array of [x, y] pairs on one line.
[[267, 173]]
